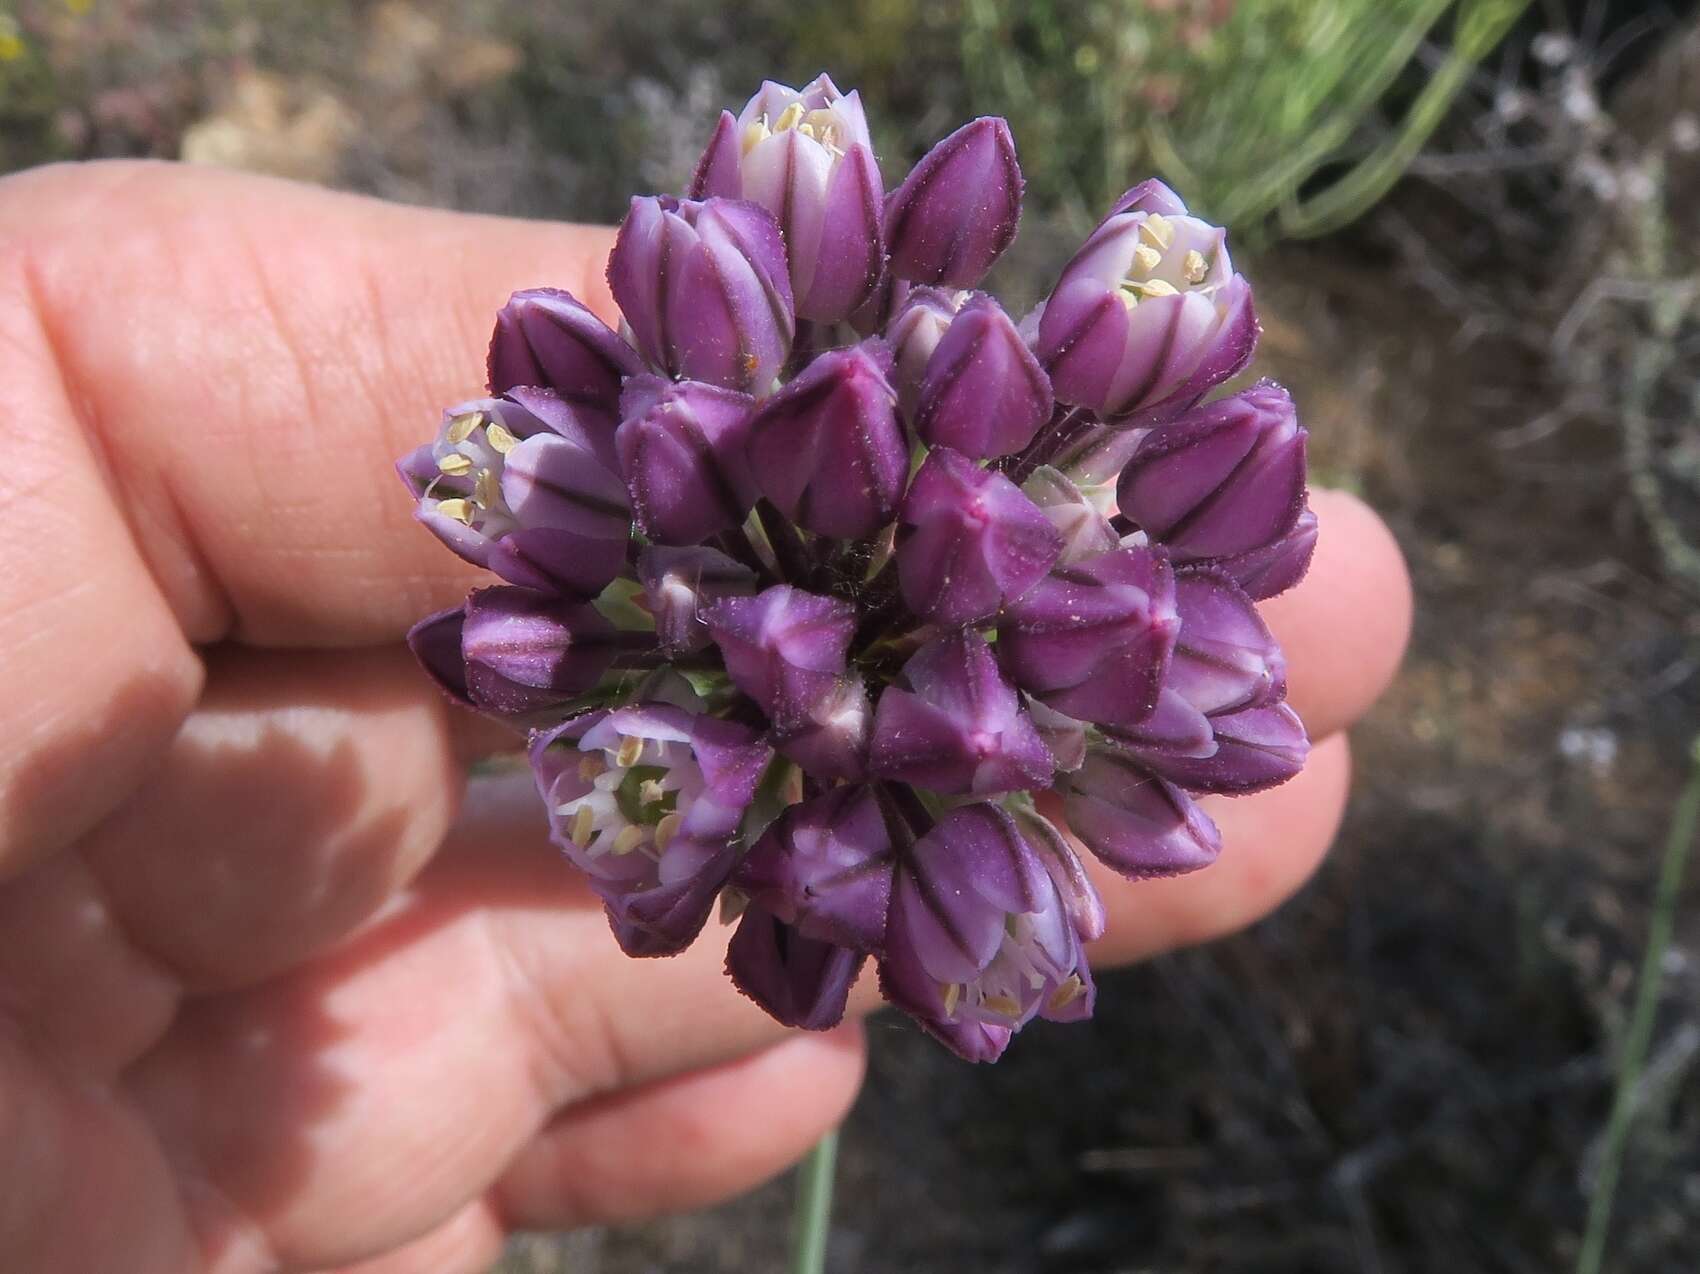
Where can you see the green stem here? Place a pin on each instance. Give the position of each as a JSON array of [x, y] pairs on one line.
[[1682, 828], [814, 1207]]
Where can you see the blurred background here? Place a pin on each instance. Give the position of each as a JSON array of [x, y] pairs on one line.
[[1474, 226]]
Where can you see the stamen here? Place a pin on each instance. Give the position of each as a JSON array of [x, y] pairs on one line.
[[486, 491], [459, 510], [454, 464], [584, 823], [1147, 258], [590, 765], [756, 132], [500, 439], [1194, 266], [1157, 230], [952, 997], [630, 837], [631, 748], [1067, 993], [789, 117], [666, 830], [1154, 287], [1001, 1004], [650, 791], [461, 427]]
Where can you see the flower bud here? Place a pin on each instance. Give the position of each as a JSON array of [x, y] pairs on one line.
[[435, 643], [647, 802], [828, 448], [682, 452], [830, 741], [799, 981], [523, 488], [825, 868], [1147, 317], [1065, 738], [969, 541], [1225, 656], [679, 582], [544, 337], [1256, 748], [979, 938], [1085, 531], [525, 651], [784, 648], [958, 208], [705, 290], [1225, 479], [955, 725], [914, 333], [1277, 566], [1134, 823], [1093, 640], [804, 155], [983, 393]]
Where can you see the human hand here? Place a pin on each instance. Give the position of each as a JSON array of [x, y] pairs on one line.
[[272, 994]]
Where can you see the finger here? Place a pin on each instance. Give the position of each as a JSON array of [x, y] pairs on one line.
[[302, 793], [686, 1142], [259, 355], [1345, 627], [1271, 844], [467, 1243]]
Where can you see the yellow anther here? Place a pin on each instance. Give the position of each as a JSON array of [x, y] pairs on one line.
[[1067, 993], [1157, 230], [952, 992], [461, 427], [454, 464], [1002, 1004], [631, 748], [1128, 296], [789, 117], [590, 765], [584, 823], [1194, 266], [486, 491], [630, 837], [1155, 287], [459, 510], [650, 791], [501, 439], [1147, 258], [755, 132], [666, 830]]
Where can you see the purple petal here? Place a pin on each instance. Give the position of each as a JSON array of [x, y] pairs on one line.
[[826, 868], [546, 337], [1133, 821], [984, 393], [958, 209]]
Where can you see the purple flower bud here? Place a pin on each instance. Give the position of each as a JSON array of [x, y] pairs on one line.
[[647, 802], [825, 868], [804, 155], [914, 333], [1074, 887], [679, 582], [828, 449], [705, 289], [958, 208], [1256, 748], [958, 726], [830, 741], [799, 981], [682, 452], [435, 643], [545, 337], [525, 489], [980, 939], [784, 648], [984, 393], [1085, 531], [1147, 317], [969, 541], [1225, 656], [1093, 640], [1225, 479], [1065, 738], [525, 651], [1275, 567], [1135, 823]]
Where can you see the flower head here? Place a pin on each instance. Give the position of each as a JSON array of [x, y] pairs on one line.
[[814, 567]]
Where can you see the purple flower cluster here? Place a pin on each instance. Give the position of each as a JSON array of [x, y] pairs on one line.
[[822, 569]]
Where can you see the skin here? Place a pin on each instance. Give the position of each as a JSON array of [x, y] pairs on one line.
[[277, 991]]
